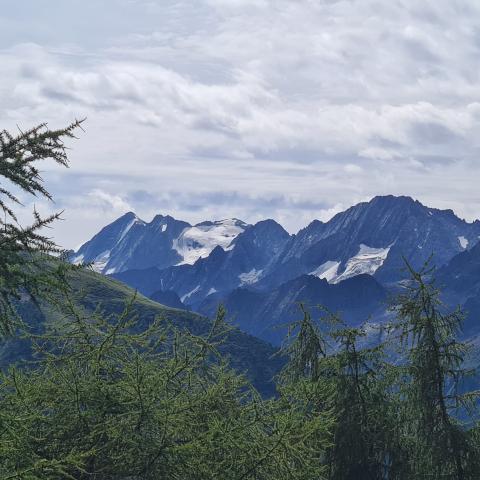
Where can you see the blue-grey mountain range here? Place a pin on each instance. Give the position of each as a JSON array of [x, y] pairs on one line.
[[352, 264]]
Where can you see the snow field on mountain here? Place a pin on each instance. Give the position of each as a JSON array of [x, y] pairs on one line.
[[327, 270], [463, 242], [250, 277], [199, 241], [368, 260]]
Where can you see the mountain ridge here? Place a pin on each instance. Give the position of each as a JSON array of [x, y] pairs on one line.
[[253, 262], [131, 243]]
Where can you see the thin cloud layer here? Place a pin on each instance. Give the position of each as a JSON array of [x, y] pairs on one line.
[[252, 109]]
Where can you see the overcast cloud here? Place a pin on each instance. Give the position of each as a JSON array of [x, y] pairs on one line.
[[206, 109]]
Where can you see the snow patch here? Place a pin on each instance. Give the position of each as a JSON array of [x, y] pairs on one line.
[[368, 260], [78, 259], [463, 242], [250, 277], [101, 261], [127, 228], [212, 290], [327, 270], [189, 294], [199, 241]]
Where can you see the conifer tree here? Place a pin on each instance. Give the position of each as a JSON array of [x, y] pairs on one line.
[[307, 379], [306, 347], [360, 441], [438, 446], [355, 385], [108, 400], [24, 250]]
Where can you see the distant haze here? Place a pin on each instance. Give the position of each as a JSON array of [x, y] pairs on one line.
[[210, 109]]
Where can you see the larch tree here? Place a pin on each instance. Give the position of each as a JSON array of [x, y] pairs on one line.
[[438, 444], [26, 251]]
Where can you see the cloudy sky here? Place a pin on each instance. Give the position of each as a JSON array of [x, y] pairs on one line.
[[206, 109]]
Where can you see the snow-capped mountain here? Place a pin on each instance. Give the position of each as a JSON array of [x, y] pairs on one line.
[[358, 254], [242, 263], [374, 237], [131, 243], [371, 237]]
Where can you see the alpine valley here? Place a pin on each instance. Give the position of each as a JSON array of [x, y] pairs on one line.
[[351, 264]]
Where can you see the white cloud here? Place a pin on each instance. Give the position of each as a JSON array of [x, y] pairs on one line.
[[295, 107], [105, 201]]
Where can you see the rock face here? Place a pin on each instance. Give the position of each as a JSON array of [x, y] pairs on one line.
[[267, 314], [459, 281]]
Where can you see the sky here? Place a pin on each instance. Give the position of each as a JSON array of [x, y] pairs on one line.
[[211, 109]]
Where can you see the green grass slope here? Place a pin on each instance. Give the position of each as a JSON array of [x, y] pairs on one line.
[[246, 353]]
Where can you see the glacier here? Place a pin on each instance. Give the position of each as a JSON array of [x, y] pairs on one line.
[[368, 260], [199, 241], [327, 270]]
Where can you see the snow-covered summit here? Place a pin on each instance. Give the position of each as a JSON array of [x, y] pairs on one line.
[[98, 250], [370, 238], [199, 241], [131, 243]]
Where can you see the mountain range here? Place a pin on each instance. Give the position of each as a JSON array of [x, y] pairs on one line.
[[352, 264]]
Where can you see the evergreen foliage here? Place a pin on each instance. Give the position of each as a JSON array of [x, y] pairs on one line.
[[24, 268], [355, 387], [433, 374], [107, 401], [361, 437], [392, 421]]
